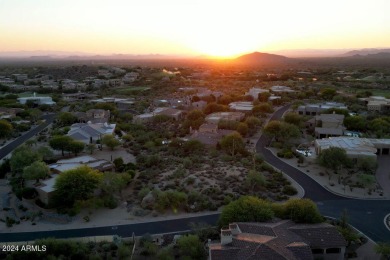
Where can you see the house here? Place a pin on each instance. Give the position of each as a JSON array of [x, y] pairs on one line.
[[20, 77], [92, 162], [6, 113], [316, 109], [46, 189], [209, 134], [329, 125], [37, 100], [216, 117], [355, 147], [279, 240], [254, 92], [98, 114], [199, 104], [93, 116], [377, 103], [281, 89], [78, 96], [90, 132], [176, 114], [130, 77], [241, 106]]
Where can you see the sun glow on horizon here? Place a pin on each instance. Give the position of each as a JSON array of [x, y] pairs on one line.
[[222, 29]]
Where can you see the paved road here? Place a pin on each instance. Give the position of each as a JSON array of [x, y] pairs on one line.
[[11, 146], [157, 227], [365, 215]]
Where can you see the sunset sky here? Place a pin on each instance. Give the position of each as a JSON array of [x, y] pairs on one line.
[[192, 27]]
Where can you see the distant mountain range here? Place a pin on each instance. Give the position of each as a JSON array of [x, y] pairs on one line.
[[283, 56], [257, 58], [365, 52]]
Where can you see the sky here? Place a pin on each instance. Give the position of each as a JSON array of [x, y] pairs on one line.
[[192, 27]]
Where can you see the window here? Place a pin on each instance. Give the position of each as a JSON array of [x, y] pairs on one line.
[[333, 250], [317, 251]]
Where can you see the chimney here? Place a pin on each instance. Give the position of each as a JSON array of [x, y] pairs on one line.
[[226, 237], [234, 229]]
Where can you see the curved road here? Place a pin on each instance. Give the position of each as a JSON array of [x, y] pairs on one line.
[[365, 215], [14, 144]]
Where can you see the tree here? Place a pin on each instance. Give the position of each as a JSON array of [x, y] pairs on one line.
[[114, 182], [366, 180], [328, 93], [195, 118], [232, 143], [242, 128], [300, 211], [253, 122], [333, 158], [66, 118], [91, 148], [75, 147], [246, 209], [282, 131], [293, 118], [262, 108], [22, 157], [264, 96], [110, 141], [214, 107], [76, 184], [37, 170], [190, 247], [5, 128], [383, 249], [45, 152], [367, 165], [255, 180], [357, 123], [60, 142]]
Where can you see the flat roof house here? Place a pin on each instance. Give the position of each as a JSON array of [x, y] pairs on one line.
[[279, 240], [354, 146], [216, 117], [241, 106], [254, 92], [37, 100], [316, 109]]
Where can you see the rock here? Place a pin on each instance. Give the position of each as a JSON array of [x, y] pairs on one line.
[[148, 201]]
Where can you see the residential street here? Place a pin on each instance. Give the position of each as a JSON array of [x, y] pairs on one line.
[[20, 140]]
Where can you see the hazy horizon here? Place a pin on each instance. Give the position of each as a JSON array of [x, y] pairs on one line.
[[192, 28]]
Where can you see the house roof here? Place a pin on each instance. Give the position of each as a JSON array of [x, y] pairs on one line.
[[279, 240]]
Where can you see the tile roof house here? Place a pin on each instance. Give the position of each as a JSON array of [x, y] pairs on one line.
[[279, 240], [85, 132]]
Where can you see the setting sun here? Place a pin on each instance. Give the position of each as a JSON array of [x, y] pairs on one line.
[[215, 28]]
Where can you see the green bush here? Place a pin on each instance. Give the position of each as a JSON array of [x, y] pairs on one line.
[[289, 190]]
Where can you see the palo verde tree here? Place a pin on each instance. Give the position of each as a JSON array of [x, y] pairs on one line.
[[333, 158], [37, 170], [76, 184], [22, 157], [233, 143]]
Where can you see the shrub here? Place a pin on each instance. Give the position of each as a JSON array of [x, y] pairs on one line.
[[289, 190]]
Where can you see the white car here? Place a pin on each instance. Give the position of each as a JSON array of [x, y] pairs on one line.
[[306, 153]]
